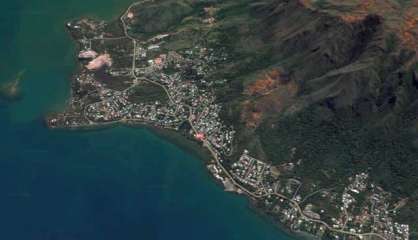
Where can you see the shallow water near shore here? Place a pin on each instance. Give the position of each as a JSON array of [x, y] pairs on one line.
[[118, 183]]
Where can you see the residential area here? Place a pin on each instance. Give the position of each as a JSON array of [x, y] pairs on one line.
[[126, 80]]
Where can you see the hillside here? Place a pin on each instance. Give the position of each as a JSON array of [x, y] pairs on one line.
[[331, 84], [308, 107], [335, 81]]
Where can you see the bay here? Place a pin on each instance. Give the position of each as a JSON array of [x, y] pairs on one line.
[[119, 183]]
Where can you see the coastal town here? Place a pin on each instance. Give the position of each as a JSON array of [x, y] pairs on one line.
[[125, 80]]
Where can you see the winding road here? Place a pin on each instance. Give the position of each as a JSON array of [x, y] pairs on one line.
[[215, 155]]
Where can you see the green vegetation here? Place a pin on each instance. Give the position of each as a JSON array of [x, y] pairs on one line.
[[112, 82], [356, 103], [147, 92], [158, 16], [344, 145]]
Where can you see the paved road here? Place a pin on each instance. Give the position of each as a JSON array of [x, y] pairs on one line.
[[214, 153]]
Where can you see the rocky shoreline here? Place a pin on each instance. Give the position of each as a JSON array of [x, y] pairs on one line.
[[118, 71]]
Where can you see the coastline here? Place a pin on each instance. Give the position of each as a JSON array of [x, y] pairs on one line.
[[202, 154], [190, 146], [203, 151], [177, 139], [171, 135], [146, 151], [71, 183]]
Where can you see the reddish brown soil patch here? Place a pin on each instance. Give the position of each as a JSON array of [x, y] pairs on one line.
[[250, 115], [272, 94], [267, 83], [409, 28], [401, 19]]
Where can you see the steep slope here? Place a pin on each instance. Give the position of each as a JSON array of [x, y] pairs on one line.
[[350, 99], [330, 86]]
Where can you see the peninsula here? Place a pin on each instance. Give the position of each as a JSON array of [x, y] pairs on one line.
[[306, 107]]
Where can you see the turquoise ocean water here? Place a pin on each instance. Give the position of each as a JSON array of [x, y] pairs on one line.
[[119, 183]]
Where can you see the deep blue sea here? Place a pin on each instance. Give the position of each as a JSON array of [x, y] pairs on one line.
[[119, 183]]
